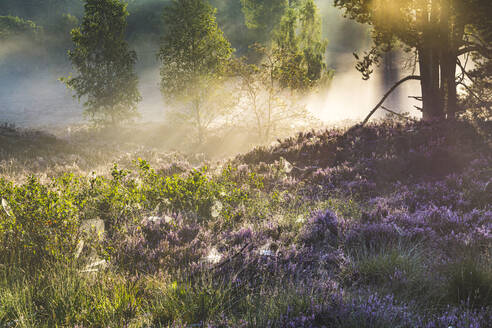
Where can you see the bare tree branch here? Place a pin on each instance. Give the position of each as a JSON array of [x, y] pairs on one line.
[[410, 77], [484, 51], [463, 71]]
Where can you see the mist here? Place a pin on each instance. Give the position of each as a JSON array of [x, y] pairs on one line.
[[32, 96]]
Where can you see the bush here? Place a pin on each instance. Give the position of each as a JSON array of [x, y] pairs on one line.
[[37, 224], [194, 192]]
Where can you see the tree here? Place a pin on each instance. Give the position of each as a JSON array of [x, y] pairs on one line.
[[194, 56], [476, 99], [476, 83], [437, 31], [300, 48], [20, 41], [271, 106], [106, 78], [263, 16], [292, 64], [11, 26], [292, 30]]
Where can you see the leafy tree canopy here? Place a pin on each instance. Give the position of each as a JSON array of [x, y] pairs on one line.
[[438, 31], [105, 66], [264, 15], [299, 47], [15, 26], [194, 55]]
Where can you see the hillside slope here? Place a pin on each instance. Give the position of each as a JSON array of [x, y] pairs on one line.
[[389, 225]]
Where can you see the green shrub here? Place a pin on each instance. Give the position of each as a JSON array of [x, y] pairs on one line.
[[194, 192], [36, 224]]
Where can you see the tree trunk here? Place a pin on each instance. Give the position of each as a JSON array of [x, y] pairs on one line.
[[428, 52], [432, 108], [449, 53], [448, 84], [452, 30]]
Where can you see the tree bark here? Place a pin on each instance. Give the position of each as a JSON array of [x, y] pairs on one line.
[[432, 108], [449, 53], [428, 52]]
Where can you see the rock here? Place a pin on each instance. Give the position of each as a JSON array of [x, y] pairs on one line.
[[157, 219], [6, 207], [287, 167], [154, 219], [213, 257], [216, 209], [96, 265], [93, 224]]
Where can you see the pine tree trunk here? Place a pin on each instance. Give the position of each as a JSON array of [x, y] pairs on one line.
[[448, 84], [448, 60], [428, 52], [432, 108]]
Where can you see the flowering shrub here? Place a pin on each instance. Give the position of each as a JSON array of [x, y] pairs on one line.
[[162, 244], [389, 225], [322, 227]]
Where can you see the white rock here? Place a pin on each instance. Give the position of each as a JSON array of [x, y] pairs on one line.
[[6, 207], [266, 252], [80, 247], [216, 209], [93, 224], [213, 256], [154, 219]]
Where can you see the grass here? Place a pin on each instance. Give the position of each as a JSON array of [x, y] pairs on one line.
[[469, 280], [306, 248], [403, 269]]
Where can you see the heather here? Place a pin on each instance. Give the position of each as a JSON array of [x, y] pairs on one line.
[[387, 225]]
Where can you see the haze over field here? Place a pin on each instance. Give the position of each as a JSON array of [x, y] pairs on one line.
[[245, 163], [32, 96]]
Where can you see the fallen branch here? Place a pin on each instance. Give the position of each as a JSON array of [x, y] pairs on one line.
[[410, 77]]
